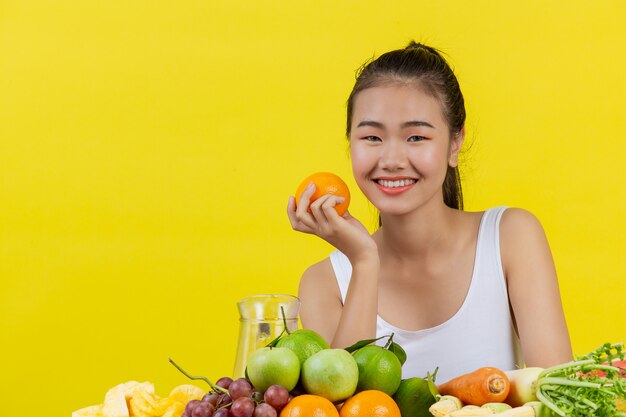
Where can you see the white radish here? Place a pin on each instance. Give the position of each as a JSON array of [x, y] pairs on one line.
[[523, 386]]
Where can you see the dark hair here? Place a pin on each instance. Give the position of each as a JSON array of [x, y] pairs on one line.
[[424, 65]]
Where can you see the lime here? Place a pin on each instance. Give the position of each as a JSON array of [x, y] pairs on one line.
[[379, 369], [304, 343], [414, 398]]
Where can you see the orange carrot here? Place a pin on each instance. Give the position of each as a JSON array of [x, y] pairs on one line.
[[484, 385]]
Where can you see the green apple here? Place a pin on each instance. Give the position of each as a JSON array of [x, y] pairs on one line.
[[273, 365], [330, 373]]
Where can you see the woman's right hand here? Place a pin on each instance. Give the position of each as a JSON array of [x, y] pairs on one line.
[[343, 232]]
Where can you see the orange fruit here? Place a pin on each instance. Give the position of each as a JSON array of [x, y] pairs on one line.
[[371, 403], [326, 183], [308, 405]]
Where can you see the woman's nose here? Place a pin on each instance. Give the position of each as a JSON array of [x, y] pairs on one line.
[[393, 156]]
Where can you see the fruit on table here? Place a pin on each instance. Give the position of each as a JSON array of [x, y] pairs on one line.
[[273, 365], [304, 343], [277, 396], [248, 403], [379, 369], [414, 398], [330, 373], [240, 387], [308, 405], [133, 398], [371, 403], [239, 398], [326, 183]]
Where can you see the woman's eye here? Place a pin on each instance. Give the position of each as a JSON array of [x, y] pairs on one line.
[[416, 138], [372, 138]]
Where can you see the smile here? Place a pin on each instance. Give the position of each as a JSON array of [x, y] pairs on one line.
[[395, 183]]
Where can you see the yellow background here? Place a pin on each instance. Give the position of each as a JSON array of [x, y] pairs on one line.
[[147, 150]]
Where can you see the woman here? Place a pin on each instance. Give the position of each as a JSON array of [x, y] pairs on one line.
[[459, 290]]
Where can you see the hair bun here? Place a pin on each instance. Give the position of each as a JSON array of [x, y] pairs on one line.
[[420, 46]]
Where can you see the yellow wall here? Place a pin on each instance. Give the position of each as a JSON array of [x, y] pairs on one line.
[[147, 150]]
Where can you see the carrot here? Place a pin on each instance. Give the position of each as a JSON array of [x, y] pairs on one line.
[[484, 385]]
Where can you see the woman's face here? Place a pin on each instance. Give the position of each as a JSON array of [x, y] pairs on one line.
[[400, 147]]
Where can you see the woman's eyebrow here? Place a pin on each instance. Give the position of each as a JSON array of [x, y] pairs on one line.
[[411, 123], [417, 123], [371, 123]]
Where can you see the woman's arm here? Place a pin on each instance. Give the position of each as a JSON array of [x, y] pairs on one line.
[[322, 310], [533, 290]]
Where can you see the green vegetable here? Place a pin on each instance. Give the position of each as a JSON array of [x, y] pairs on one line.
[[577, 389]]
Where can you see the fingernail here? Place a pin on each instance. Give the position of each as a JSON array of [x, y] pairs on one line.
[[310, 186]]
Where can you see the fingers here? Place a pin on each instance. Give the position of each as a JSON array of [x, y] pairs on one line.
[[305, 199], [318, 217], [323, 208], [295, 218], [299, 216]]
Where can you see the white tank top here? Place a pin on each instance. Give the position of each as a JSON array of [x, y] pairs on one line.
[[480, 333]]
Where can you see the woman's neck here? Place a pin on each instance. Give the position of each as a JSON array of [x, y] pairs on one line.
[[416, 234]]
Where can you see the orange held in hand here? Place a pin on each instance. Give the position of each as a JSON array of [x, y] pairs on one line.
[[308, 405], [371, 403], [326, 183]]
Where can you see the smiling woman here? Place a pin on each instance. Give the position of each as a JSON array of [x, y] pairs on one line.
[[396, 127], [433, 275], [435, 79]]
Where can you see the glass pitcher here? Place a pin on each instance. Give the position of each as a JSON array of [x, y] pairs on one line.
[[260, 322]]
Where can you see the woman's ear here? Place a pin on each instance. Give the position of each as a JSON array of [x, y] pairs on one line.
[[455, 147]]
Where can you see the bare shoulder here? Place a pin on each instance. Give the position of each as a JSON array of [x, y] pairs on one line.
[[522, 239], [519, 228], [519, 220], [319, 276]]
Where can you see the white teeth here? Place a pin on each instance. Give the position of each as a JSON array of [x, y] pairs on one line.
[[396, 183]]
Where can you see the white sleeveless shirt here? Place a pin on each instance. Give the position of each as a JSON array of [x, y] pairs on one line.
[[480, 333]]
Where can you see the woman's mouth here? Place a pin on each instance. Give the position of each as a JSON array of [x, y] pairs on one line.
[[394, 186]]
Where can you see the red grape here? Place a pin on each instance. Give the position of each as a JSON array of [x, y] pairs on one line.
[[242, 407], [223, 400], [222, 412], [240, 388], [224, 382], [265, 410], [277, 396], [190, 406], [211, 397], [204, 409]]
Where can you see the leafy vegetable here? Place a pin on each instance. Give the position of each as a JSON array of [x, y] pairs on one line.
[[577, 389]]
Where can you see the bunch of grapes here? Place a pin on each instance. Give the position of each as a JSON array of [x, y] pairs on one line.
[[240, 400]]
